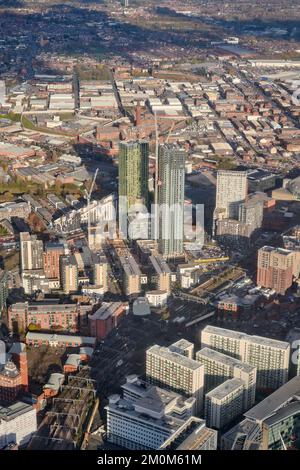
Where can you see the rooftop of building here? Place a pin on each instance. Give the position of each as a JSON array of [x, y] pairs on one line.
[[224, 359], [231, 173], [53, 246], [55, 381], [15, 410], [139, 390], [269, 342], [158, 407], [167, 422], [44, 307], [196, 439], [73, 360], [133, 143], [156, 399], [225, 389], [106, 310], [160, 265], [291, 409], [237, 335], [156, 292], [215, 330], [175, 357], [240, 433], [193, 435], [53, 337], [259, 174], [141, 306], [272, 249], [99, 258], [183, 344], [130, 266], [267, 407], [9, 370]]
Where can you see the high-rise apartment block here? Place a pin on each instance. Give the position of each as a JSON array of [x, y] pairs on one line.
[[100, 271], [132, 275], [251, 213], [184, 347], [226, 341], [275, 268], [162, 273], [232, 190], [174, 371], [270, 357], [219, 367], [31, 252], [69, 273], [133, 173], [171, 178], [224, 403]]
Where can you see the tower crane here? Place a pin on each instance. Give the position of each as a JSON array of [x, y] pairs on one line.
[[88, 195], [170, 132]]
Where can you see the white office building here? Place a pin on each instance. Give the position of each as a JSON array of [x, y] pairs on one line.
[[17, 424], [145, 416]]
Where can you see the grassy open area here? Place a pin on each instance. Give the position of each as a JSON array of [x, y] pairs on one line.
[[99, 72], [174, 75], [42, 362], [28, 124], [11, 116], [19, 186]]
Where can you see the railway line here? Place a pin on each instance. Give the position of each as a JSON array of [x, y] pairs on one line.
[[62, 427]]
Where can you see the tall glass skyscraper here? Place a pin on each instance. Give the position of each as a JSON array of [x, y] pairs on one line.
[[133, 172], [171, 176], [133, 180]]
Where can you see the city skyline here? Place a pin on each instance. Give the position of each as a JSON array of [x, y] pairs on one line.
[[149, 231]]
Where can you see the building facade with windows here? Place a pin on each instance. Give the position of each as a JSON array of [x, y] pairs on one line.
[[224, 403], [174, 371]]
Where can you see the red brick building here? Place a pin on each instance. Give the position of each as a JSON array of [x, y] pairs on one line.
[[106, 318], [51, 256], [275, 269], [44, 316], [14, 374]]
